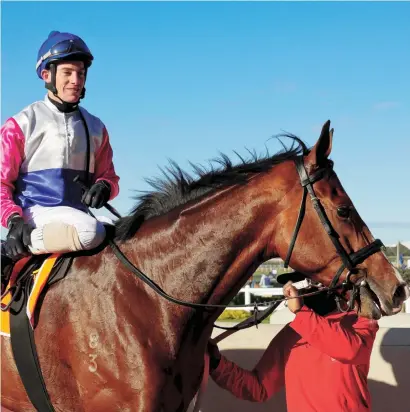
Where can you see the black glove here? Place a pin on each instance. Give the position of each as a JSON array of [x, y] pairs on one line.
[[18, 238], [214, 355], [98, 195]]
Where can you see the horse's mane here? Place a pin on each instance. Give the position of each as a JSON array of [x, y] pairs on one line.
[[177, 187]]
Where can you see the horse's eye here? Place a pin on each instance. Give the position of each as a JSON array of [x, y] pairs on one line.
[[344, 212]]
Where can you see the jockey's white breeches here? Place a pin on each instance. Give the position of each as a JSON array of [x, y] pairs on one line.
[[62, 229]]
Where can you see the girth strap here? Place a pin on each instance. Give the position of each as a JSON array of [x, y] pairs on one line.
[[25, 353]]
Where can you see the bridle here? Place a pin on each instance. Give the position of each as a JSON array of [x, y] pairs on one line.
[[349, 261]]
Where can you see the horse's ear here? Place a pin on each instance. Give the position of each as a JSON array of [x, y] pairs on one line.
[[321, 150]]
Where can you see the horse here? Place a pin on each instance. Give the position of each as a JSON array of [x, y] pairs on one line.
[[107, 341]]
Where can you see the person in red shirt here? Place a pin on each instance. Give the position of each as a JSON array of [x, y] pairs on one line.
[[322, 358]]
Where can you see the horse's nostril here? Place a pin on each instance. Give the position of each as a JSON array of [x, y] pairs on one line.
[[400, 295]]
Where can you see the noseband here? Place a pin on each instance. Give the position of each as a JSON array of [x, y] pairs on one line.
[[349, 261]]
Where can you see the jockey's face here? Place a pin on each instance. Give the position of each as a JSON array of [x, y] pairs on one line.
[[70, 80]]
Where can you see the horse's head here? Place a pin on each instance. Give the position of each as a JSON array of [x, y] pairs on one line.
[[329, 242], [290, 205]]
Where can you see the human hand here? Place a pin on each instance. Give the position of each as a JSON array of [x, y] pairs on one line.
[[295, 302], [98, 195], [18, 238], [214, 355]]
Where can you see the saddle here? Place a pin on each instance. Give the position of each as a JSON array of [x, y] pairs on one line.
[[29, 280], [21, 274], [20, 307]]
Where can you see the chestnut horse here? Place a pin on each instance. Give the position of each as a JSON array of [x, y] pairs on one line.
[[108, 342]]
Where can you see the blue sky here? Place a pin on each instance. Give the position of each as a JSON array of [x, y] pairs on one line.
[[189, 80]]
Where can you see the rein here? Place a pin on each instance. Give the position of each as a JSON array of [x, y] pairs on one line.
[[142, 276], [349, 260]]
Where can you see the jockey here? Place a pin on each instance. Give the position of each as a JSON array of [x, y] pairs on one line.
[[43, 148], [322, 358]]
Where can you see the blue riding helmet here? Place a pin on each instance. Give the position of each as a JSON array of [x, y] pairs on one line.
[[62, 46]]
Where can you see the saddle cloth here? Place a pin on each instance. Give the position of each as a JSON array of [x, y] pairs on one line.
[[40, 276]]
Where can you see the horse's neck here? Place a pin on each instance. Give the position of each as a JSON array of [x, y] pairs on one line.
[[211, 246]]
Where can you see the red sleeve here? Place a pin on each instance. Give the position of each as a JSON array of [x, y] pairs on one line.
[[265, 379], [348, 339], [12, 155], [104, 166]]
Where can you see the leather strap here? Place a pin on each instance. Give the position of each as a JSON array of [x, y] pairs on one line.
[[25, 352]]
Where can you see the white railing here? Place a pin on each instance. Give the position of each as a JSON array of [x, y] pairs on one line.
[[248, 291]]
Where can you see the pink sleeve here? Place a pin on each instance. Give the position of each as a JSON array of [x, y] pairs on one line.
[[104, 167], [12, 155]]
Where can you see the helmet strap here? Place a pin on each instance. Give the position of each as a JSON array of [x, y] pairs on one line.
[[85, 79], [52, 85]]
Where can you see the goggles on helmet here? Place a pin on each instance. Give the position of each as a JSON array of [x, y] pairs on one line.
[[64, 47]]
